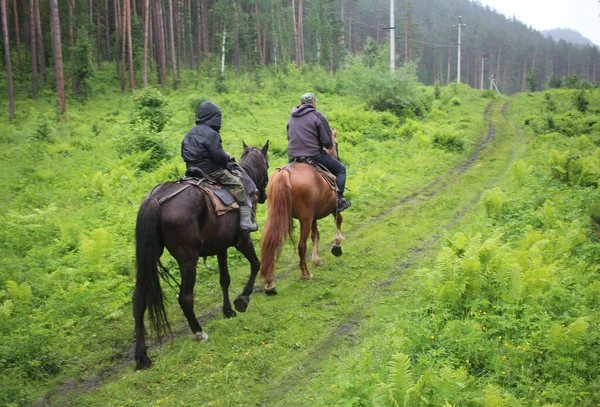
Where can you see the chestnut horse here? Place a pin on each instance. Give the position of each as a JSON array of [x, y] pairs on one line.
[[182, 218], [298, 191]]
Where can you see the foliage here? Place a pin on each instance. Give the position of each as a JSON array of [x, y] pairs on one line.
[[147, 147], [372, 82], [151, 106], [83, 66]]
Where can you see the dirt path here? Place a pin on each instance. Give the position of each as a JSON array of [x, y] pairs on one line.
[[346, 330], [353, 316]]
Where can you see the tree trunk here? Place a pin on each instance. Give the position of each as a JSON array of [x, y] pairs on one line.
[[129, 47], [296, 34], [146, 21], [199, 35], [301, 28], [18, 39], [205, 34], [161, 55], [236, 37], [123, 45], [191, 34], [172, 42], [33, 47], [40, 41], [71, 5], [58, 61], [9, 79]]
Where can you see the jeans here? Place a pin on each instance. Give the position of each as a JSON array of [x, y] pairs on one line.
[[336, 167]]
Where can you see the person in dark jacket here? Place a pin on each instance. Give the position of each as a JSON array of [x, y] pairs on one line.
[[202, 148], [308, 132]]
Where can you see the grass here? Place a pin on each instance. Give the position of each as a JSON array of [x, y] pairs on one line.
[[326, 341]]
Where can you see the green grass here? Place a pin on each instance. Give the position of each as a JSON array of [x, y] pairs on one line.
[[419, 212]]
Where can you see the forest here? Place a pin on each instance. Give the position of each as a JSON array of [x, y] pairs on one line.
[[59, 45]]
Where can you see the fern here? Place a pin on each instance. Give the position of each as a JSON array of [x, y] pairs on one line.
[[492, 397], [399, 382], [577, 330]]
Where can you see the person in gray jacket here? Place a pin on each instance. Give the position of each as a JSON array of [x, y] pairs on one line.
[[202, 147], [308, 132]]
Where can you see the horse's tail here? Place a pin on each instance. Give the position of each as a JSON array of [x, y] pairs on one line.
[[148, 249], [279, 223]]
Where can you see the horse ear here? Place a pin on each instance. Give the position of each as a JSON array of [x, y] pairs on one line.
[[265, 148], [244, 144]]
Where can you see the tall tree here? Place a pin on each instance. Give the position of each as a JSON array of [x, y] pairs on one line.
[[18, 39], [40, 41], [172, 42], [146, 24], [9, 79], [58, 61], [130, 47], [33, 47]]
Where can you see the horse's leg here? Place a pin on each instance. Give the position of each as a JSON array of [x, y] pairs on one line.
[[316, 259], [225, 280], [336, 249], [186, 295], [305, 228], [246, 247], [139, 308]]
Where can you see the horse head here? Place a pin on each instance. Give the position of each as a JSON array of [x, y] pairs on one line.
[[333, 151], [255, 161]]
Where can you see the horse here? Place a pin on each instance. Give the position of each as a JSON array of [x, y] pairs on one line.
[[186, 223], [298, 191]]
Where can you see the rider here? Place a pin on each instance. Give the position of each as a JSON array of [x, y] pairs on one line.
[[308, 132], [202, 148]]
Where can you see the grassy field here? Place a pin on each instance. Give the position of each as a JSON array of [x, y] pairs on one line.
[[468, 277]]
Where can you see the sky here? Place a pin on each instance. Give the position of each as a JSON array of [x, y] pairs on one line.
[[580, 15]]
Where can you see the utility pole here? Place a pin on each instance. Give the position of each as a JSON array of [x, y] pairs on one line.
[[459, 25], [484, 56], [392, 37]]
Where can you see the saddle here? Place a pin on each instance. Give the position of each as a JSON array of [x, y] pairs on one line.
[[321, 169], [222, 200]]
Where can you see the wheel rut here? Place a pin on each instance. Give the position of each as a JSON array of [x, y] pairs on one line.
[[347, 327]]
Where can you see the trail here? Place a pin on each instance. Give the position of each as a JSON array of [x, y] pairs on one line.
[[347, 328], [312, 358]]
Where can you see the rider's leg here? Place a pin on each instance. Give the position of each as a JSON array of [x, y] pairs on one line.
[[339, 170], [236, 187]]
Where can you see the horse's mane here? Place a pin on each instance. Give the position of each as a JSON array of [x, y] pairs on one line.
[[254, 163]]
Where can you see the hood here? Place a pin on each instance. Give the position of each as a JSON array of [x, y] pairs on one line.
[[209, 114], [302, 110]]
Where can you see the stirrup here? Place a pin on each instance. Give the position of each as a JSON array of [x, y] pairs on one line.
[[343, 204]]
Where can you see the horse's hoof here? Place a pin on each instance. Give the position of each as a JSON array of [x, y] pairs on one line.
[[336, 251], [201, 336], [229, 313], [271, 291], [241, 303], [143, 362], [306, 276]]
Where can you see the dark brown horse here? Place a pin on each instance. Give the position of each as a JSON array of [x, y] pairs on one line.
[[187, 224], [297, 191]]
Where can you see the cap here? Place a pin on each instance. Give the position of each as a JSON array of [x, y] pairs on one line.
[[307, 98]]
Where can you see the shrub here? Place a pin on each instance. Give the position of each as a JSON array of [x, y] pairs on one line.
[[152, 108], [448, 141], [141, 138], [397, 92]]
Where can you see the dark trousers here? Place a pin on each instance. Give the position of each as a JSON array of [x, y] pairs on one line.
[[336, 167]]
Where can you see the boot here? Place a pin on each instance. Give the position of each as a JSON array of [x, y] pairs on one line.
[[246, 223], [343, 204]]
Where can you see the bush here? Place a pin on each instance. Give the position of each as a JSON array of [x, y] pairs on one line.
[[397, 92], [149, 147], [448, 141], [152, 108]]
